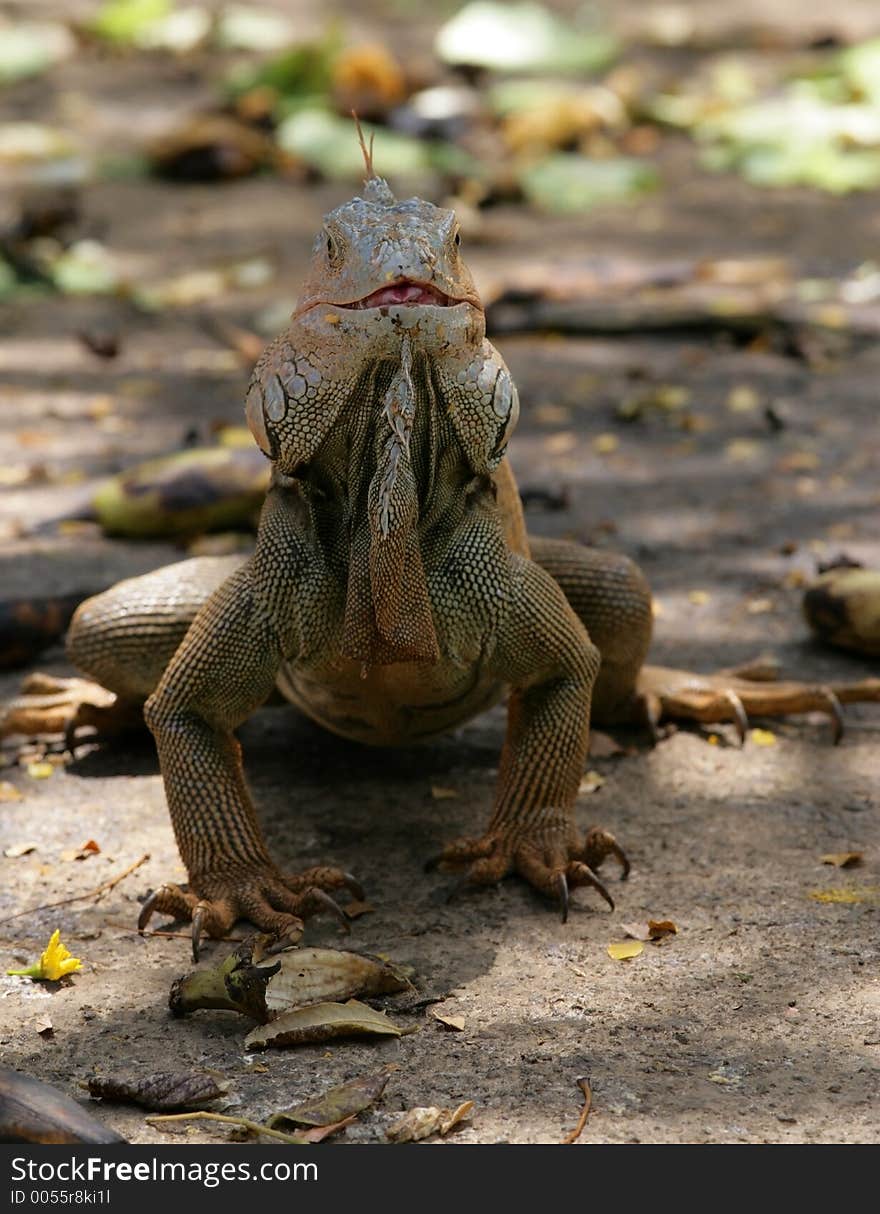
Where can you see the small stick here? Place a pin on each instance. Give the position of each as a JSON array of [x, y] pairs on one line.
[[124, 927], [584, 1085], [253, 1126], [97, 892], [367, 152]]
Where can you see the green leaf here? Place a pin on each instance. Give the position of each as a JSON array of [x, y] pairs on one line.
[[126, 21], [569, 183], [521, 38]]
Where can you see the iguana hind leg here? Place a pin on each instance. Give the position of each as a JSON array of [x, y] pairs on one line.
[[611, 598], [736, 695], [122, 640]]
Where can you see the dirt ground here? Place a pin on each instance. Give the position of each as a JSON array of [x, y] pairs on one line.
[[760, 1020]]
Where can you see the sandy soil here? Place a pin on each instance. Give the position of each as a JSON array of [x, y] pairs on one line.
[[759, 1021]]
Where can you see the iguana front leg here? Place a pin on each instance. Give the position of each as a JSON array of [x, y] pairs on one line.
[[544, 652], [225, 668]]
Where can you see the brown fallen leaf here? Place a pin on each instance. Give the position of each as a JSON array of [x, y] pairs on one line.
[[89, 848], [44, 1026], [584, 1084], [356, 908], [164, 1090], [442, 794], [338, 1104], [19, 849], [450, 1022], [658, 928], [8, 792], [322, 1022], [321, 975], [420, 1123], [840, 859], [637, 931]]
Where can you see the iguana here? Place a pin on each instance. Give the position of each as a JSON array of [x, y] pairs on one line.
[[393, 592]]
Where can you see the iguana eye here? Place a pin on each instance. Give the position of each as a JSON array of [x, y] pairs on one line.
[[333, 250], [457, 238]]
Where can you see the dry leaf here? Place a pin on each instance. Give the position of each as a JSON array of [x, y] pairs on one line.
[[591, 782], [451, 1022], [19, 849], [743, 400], [44, 1026], [637, 931], [852, 896], [162, 1092], [658, 928], [89, 848], [840, 859], [355, 909], [699, 597], [442, 794], [40, 771], [322, 1022], [625, 950], [8, 792], [319, 1132], [759, 606], [337, 1104], [604, 444], [420, 1123], [741, 449], [763, 737], [319, 975]]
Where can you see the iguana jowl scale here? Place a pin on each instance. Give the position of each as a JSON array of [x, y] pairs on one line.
[[393, 592]]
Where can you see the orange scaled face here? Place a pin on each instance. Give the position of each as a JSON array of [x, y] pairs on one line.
[[375, 251]]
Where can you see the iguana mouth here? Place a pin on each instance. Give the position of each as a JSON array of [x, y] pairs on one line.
[[403, 292]]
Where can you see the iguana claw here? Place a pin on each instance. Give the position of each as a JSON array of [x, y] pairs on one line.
[[754, 689], [552, 868], [272, 901]]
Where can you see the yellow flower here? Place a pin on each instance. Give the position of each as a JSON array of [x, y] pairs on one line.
[[55, 963]]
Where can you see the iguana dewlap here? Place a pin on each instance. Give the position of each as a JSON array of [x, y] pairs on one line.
[[393, 592]]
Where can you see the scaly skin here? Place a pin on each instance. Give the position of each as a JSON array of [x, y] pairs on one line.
[[392, 593]]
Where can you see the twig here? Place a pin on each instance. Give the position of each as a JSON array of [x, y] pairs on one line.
[[253, 1126], [124, 927], [584, 1085], [97, 892]]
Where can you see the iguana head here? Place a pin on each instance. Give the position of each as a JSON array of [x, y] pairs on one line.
[[376, 252]]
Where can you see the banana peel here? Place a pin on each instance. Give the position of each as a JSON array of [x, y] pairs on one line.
[[294, 978], [31, 1111], [187, 493], [842, 607]]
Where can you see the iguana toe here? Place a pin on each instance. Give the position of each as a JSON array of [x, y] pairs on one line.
[[550, 865], [275, 903]]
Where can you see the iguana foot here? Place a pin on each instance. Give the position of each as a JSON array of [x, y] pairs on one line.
[[47, 704], [273, 901], [550, 862], [735, 695]]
